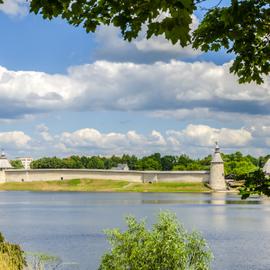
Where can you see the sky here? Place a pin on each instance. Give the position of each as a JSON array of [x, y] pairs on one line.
[[64, 92]]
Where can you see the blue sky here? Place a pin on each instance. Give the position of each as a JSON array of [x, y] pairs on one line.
[[67, 92]]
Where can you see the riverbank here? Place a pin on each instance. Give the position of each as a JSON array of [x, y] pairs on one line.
[[87, 185]]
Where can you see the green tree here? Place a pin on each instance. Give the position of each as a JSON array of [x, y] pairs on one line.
[[48, 163], [115, 160], [184, 160], [241, 27], [108, 163], [167, 162], [16, 164], [238, 165], [239, 168], [150, 164], [256, 183], [167, 246], [11, 256], [73, 162], [130, 161], [84, 161], [179, 167], [95, 163]]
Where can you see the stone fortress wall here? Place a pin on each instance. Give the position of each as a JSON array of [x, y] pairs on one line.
[[12, 175], [215, 177]]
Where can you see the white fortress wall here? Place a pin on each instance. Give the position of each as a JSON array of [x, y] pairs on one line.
[[183, 176], [12, 175]]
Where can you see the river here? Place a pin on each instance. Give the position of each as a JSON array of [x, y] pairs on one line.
[[70, 225]]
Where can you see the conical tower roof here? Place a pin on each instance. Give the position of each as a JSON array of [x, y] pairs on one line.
[[4, 163], [217, 156]]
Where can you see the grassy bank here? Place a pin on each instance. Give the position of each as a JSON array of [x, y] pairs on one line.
[[87, 185]]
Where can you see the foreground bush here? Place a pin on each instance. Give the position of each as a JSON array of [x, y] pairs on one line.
[[11, 256], [168, 246]]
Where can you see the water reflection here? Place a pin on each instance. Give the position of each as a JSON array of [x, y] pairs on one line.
[[218, 198]]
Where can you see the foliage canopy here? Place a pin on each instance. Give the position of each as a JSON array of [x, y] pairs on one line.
[[167, 246], [12, 256], [256, 183], [236, 164], [239, 26], [16, 164]]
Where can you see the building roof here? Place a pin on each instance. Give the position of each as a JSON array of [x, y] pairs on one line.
[[121, 167], [4, 163], [217, 156], [266, 167]]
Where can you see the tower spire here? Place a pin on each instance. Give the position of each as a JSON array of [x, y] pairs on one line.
[[3, 155], [217, 148]]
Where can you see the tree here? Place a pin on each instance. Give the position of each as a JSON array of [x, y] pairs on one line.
[[241, 27], [239, 168], [130, 161], [16, 164], [11, 256], [167, 246], [167, 162], [95, 163], [150, 164], [184, 160], [48, 163], [73, 162], [256, 183]]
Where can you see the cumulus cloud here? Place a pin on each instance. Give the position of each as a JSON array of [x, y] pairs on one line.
[[92, 141], [112, 47], [43, 131], [14, 140], [14, 7], [203, 135], [195, 140], [154, 87]]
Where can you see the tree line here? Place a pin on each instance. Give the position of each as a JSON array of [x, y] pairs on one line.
[[236, 164]]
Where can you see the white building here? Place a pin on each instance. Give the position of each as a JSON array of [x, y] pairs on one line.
[[121, 167], [266, 167], [26, 161], [4, 163]]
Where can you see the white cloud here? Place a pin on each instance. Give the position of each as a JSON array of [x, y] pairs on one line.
[[43, 131], [126, 86], [111, 46], [194, 140], [14, 140], [162, 45], [14, 7], [203, 135], [92, 141]]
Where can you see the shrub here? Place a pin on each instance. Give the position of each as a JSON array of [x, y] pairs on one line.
[[11, 256], [168, 246]]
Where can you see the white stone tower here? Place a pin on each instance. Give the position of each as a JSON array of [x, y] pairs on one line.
[[217, 180], [4, 164]]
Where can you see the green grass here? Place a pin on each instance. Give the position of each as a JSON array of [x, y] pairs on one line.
[[88, 185]]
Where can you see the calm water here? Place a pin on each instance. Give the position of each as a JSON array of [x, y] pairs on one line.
[[70, 224]]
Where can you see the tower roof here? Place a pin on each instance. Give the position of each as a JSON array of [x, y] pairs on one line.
[[217, 156], [4, 163]]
